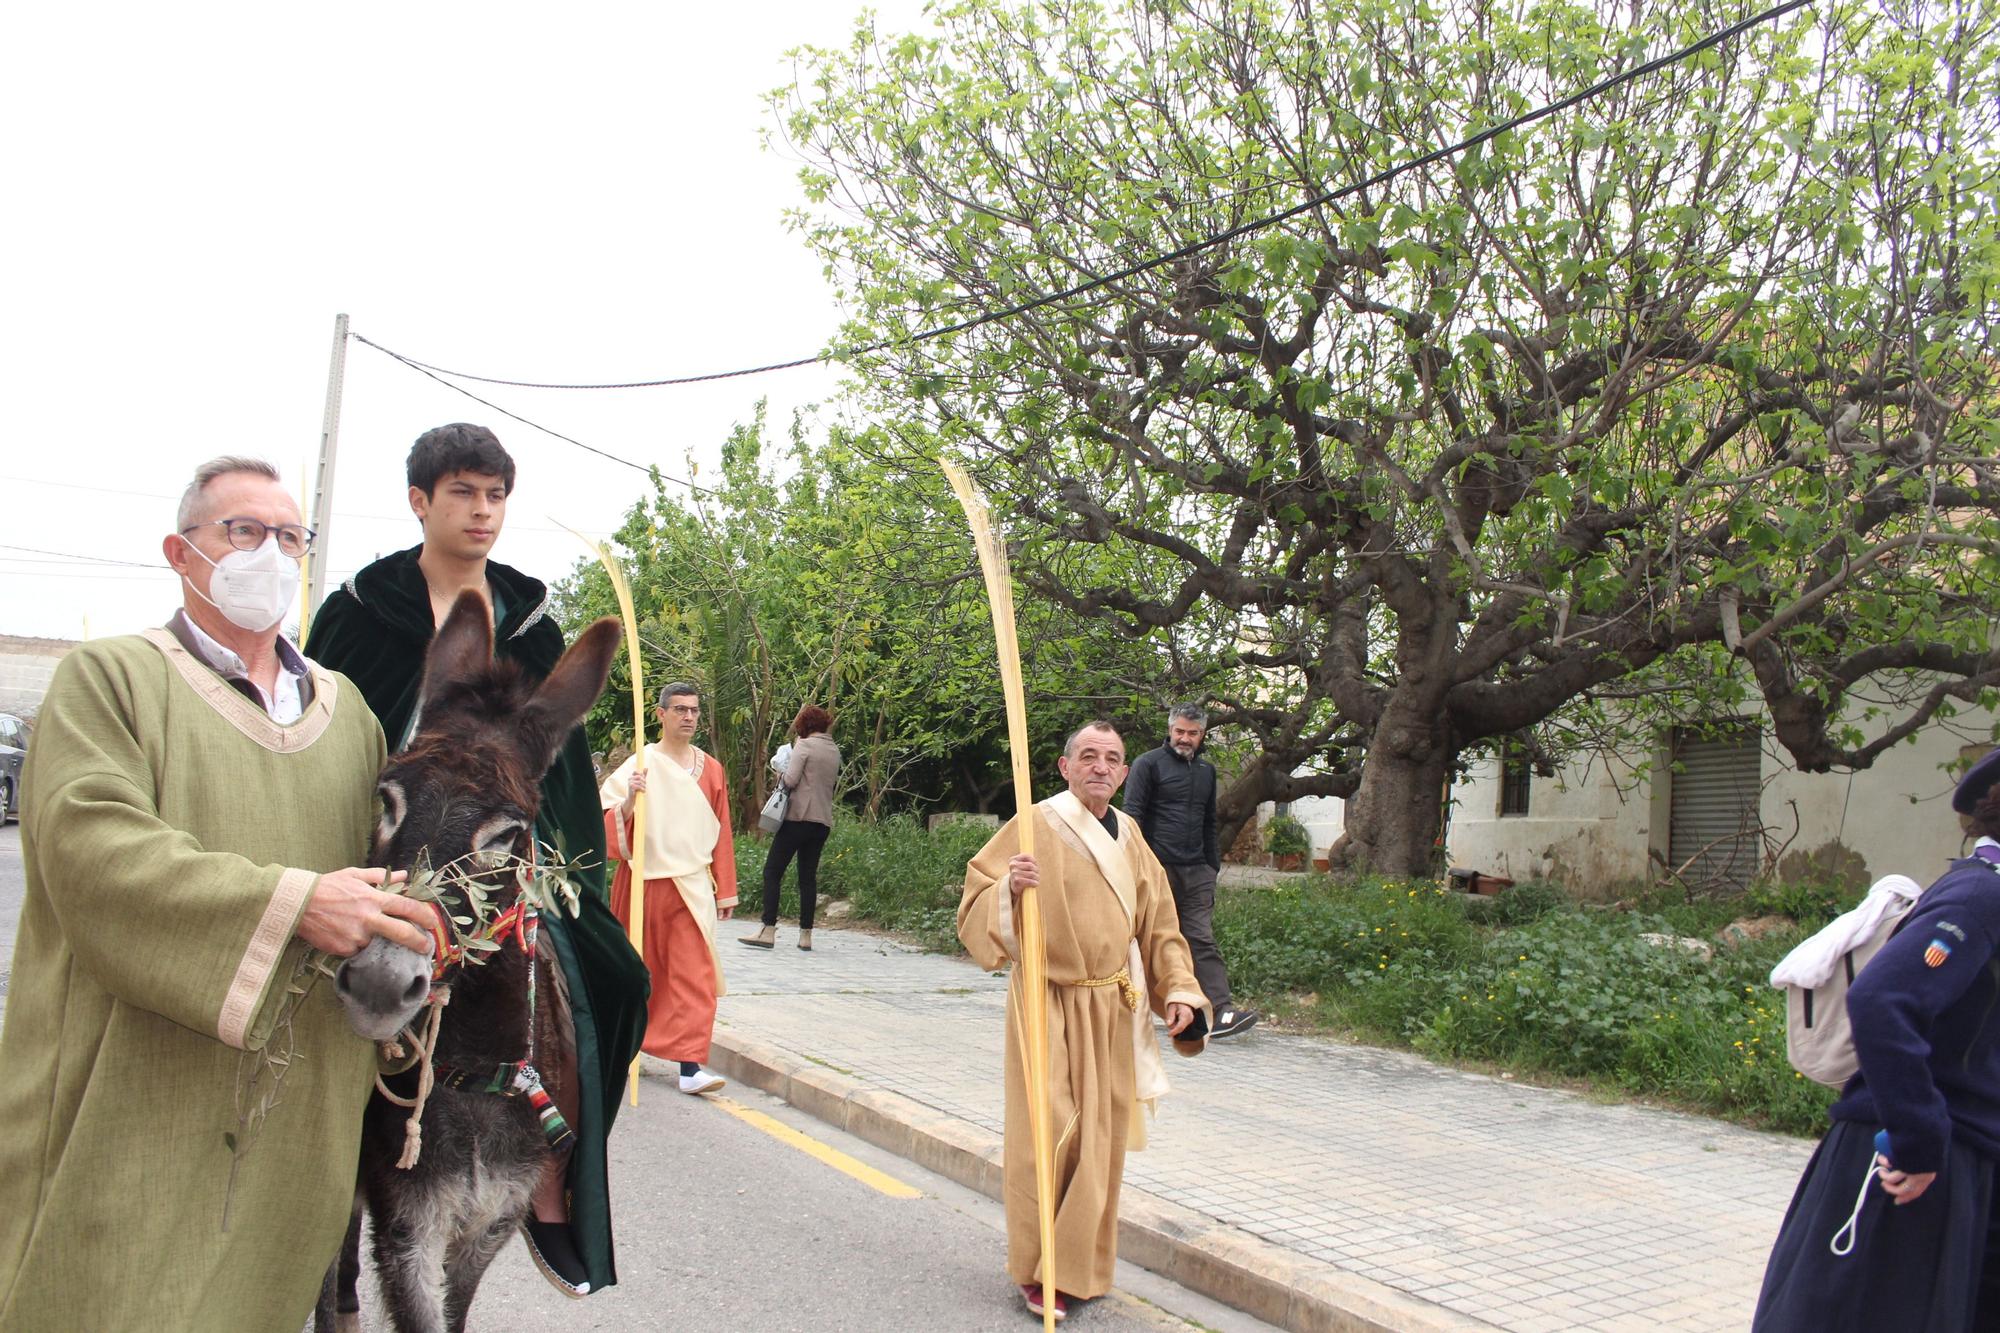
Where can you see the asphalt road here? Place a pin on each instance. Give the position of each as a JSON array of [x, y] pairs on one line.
[[722, 1224], [11, 887]]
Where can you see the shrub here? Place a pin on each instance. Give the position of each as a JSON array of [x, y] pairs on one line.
[[1528, 901], [1286, 836], [895, 873], [1314, 936], [1547, 988], [1811, 903]]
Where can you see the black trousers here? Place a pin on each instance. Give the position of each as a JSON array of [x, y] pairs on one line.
[[1194, 900], [1922, 1267], [804, 838]]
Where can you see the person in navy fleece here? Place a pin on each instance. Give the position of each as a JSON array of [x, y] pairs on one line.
[[1899, 1232]]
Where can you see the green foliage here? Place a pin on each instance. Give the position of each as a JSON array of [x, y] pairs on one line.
[[1286, 836], [901, 877], [820, 577], [1552, 989], [1677, 401], [1317, 936], [893, 873], [1521, 903], [1812, 903]]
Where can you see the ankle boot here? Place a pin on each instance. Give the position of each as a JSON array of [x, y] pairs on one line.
[[763, 939], [806, 940]]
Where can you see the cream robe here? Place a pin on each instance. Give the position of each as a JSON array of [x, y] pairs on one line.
[[1095, 923], [681, 829]]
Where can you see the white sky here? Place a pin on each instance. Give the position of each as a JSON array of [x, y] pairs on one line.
[[572, 193]]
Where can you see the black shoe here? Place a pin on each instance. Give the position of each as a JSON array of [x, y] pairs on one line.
[[552, 1245], [1232, 1022]]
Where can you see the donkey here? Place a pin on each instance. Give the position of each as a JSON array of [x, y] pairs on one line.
[[465, 790]]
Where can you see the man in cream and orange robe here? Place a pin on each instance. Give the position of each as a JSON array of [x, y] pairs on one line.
[[1114, 950], [690, 864]]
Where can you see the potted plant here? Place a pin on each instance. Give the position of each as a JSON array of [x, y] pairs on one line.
[[1285, 838]]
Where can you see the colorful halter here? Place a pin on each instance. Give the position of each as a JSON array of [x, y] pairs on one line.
[[516, 1078]]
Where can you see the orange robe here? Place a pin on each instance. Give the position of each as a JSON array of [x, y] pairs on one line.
[[678, 948]]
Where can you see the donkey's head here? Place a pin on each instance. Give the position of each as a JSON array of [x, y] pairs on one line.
[[465, 791]]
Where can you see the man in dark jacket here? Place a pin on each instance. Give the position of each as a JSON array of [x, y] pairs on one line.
[[376, 629], [1171, 793]]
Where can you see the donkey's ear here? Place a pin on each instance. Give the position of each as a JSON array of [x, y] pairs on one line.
[[463, 647], [562, 700]]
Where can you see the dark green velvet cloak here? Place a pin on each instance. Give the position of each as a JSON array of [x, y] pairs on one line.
[[375, 630]]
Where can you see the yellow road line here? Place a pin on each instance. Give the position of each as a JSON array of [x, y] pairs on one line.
[[812, 1147]]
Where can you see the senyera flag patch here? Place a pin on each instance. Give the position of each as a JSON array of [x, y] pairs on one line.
[[1938, 951]]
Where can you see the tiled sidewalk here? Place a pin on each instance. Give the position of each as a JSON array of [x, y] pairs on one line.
[[1525, 1208]]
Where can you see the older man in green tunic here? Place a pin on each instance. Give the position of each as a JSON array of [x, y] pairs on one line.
[[193, 809]]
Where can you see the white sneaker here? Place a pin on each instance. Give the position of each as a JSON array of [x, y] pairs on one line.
[[701, 1081]]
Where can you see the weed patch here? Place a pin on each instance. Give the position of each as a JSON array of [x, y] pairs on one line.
[[1538, 985]]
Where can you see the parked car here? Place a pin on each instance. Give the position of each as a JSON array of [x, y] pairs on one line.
[[13, 750]]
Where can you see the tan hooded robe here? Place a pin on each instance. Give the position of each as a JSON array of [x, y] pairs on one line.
[[1103, 1058]]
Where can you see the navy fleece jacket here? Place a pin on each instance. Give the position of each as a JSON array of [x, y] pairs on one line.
[[1923, 1013]]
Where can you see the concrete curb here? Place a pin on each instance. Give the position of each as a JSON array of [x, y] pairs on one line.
[[1261, 1279]]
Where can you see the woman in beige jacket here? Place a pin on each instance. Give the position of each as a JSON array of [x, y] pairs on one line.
[[810, 776]]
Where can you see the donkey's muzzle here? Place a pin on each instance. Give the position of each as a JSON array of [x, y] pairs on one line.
[[383, 988]]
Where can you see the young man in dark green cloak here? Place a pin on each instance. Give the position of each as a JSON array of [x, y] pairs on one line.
[[376, 629]]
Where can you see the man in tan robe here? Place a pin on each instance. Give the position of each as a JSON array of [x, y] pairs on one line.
[[1112, 940]]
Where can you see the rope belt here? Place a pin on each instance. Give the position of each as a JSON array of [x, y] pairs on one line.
[[1122, 979]]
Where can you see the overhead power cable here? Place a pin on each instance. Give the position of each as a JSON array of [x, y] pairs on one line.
[[439, 377], [1132, 270], [91, 559]]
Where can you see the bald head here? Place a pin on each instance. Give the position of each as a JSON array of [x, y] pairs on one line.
[[1093, 763]]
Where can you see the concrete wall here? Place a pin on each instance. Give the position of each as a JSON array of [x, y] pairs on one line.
[[1589, 825], [1894, 817], [1325, 818], [1592, 827], [26, 665]]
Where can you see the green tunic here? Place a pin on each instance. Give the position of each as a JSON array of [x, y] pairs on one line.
[[173, 834], [377, 629]]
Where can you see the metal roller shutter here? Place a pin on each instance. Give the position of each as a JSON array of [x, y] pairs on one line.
[[1714, 816]]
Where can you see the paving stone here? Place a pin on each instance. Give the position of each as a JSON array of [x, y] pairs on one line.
[[1524, 1207]]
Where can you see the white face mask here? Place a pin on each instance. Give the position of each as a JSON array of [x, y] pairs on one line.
[[253, 589]]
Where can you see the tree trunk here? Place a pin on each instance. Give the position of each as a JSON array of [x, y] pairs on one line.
[[1236, 803], [1396, 815]]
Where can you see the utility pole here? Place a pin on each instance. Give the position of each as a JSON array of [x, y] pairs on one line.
[[329, 440], [308, 560]]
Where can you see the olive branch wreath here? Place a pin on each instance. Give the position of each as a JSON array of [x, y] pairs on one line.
[[547, 883]]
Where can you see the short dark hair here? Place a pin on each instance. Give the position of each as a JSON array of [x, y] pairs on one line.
[[459, 447], [676, 687], [812, 720]]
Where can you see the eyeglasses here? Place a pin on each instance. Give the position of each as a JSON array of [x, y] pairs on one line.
[[247, 534]]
